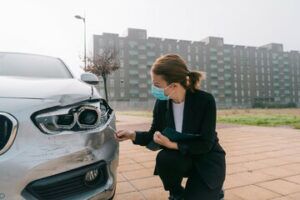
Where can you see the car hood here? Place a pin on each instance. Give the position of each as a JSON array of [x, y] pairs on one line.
[[62, 90]]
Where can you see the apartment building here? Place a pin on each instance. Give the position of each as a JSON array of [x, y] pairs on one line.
[[238, 76]]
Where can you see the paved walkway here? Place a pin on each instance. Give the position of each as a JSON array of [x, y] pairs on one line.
[[262, 163]]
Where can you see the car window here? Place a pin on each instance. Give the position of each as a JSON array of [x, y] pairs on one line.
[[27, 65]]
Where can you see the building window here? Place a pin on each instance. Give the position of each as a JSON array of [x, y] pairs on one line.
[[100, 42], [121, 43], [142, 56], [122, 73], [142, 35], [110, 42], [133, 52], [122, 53], [151, 53], [189, 58], [213, 50], [132, 43], [112, 82], [112, 94], [143, 85], [142, 47], [133, 62], [133, 91], [143, 95], [142, 76], [121, 63], [122, 84], [150, 44]]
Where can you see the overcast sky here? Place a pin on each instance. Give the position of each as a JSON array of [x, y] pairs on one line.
[[49, 27]]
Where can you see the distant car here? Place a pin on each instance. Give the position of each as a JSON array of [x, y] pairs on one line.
[[56, 132]]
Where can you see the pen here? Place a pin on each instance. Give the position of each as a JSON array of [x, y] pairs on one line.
[[112, 129]]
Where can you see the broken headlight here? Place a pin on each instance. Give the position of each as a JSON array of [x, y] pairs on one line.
[[82, 117]]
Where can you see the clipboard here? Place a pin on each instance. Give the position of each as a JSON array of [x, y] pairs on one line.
[[175, 136]]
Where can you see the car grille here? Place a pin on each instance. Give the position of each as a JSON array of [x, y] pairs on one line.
[[8, 131], [67, 184]]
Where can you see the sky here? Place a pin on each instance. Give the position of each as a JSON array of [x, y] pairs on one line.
[[48, 27]]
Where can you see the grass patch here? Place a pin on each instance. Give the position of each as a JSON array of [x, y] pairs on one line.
[[256, 117], [297, 126], [262, 120], [136, 113]]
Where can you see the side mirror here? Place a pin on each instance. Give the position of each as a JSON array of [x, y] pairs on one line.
[[89, 78]]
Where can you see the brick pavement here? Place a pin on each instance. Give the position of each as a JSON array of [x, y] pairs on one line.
[[262, 163]]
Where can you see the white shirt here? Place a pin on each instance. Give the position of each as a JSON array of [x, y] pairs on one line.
[[178, 115]]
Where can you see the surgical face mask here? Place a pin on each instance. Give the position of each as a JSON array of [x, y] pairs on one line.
[[159, 93]]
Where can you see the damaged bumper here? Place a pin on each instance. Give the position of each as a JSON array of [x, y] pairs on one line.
[[36, 159]]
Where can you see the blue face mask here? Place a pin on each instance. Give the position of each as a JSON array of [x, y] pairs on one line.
[[159, 93]]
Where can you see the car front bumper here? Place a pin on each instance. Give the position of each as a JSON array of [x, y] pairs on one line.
[[35, 156]]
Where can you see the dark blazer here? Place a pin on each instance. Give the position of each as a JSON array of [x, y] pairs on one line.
[[199, 117]]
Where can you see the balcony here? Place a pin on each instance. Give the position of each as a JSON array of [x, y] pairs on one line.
[[133, 72], [213, 58]]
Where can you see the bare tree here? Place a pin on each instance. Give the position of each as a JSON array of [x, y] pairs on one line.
[[103, 64]]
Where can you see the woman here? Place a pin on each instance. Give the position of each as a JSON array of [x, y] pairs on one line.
[[181, 105]]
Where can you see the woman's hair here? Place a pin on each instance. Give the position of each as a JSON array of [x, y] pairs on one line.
[[173, 69]]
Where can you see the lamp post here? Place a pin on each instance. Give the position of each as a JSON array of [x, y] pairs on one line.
[[83, 19]]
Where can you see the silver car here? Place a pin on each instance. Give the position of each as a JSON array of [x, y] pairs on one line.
[[56, 132]]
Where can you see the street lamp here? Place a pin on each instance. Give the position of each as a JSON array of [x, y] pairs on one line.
[[83, 19]]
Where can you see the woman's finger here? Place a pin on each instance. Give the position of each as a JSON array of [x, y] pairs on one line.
[[157, 140], [161, 136], [121, 137], [115, 136], [121, 133], [157, 133]]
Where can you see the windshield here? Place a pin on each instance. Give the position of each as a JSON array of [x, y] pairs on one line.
[[28, 65]]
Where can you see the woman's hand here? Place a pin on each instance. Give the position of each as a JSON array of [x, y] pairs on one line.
[[164, 141], [122, 135]]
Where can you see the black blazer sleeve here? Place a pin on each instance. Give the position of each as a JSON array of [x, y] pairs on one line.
[[144, 137], [207, 131]]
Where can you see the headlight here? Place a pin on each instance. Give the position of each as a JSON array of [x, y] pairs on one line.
[[88, 117], [8, 131], [85, 116]]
